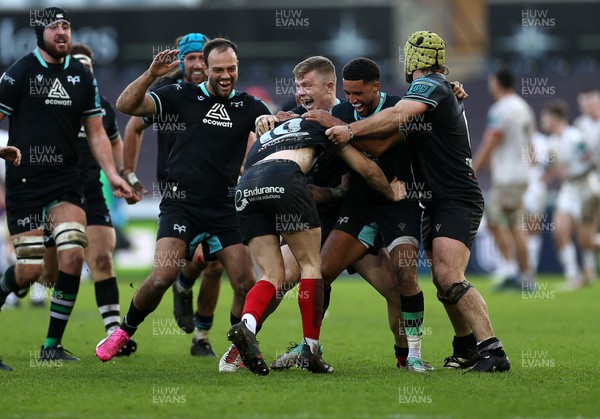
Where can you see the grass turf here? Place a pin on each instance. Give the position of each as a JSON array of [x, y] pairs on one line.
[[550, 337]]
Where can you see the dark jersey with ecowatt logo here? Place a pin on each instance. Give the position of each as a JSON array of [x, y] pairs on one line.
[[88, 166], [443, 152], [292, 134], [45, 104], [165, 134], [394, 162], [208, 149]]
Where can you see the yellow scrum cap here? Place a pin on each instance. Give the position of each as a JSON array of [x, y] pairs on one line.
[[422, 50]]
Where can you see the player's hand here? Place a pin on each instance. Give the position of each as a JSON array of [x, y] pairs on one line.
[[323, 118], [339, 134], [121, 188], [163, 62], [399, 189], [459, 91], [12, 154], [138, 189], [265, 123]]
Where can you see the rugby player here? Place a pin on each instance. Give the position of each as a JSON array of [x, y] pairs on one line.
[[577, 204], [271, 192], [505, 150], [443, 160], [220, 122], [47, 97], [191, 69], [101, 234]]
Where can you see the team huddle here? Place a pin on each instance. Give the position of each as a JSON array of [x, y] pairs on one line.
[[302, 195]]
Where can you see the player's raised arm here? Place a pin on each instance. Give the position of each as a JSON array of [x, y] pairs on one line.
[[133, 100]]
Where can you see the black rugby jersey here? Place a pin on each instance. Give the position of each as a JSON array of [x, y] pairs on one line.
[[441, 141], [209, 146], [88, 166], [165, 134], [292, 134], [394, 162], [45, 104]]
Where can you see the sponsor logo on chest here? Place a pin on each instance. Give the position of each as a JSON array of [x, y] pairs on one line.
[[218, 116]]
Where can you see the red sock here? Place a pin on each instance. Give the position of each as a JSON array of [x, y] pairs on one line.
[[258, 299], [310, 301]]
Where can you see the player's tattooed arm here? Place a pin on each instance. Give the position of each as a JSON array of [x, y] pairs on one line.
[[133, 100]]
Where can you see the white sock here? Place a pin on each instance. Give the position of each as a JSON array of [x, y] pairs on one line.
[[200, 334], [414, 345], [534, 247], [568, 258], [313, 344], [250, 322], [589, 260]]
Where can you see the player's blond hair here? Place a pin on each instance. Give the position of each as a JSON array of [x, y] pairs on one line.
[[322, 66]]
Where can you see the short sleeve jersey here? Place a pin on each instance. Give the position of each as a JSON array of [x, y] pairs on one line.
[[393, 163], [45, 104], [88, 166], [513, 118], [440, 141], [293, 134], [209, 147], [165, 134]]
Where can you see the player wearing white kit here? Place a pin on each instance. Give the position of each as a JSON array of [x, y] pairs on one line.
[[505, 149], [536, 198], [589, 124], [576, 205]]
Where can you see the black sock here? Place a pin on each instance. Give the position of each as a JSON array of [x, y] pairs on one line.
[[186, 282], [413, 308], [203, 322], [326, 298], [63, 301], [463, 344], [107, 299], [492, 345], [133, 319], [8, 283], [233, 319], [401, 352]]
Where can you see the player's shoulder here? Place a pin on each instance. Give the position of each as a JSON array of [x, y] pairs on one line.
[[428, 85], [343, 110], [391, 100], [240, 98], [22, 66]]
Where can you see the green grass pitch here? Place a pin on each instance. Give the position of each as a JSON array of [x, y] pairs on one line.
[[551, 337]]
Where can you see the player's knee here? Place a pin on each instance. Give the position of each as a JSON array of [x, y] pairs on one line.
[[102, 262], [29, 250], [243, 286], [454, 292], [162, 283], [213, 271], [70, 235]]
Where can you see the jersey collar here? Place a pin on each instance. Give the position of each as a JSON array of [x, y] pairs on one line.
[[382, 97], [205, 90], [43, 63]]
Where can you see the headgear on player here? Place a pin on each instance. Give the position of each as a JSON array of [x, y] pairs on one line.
[[192, 42], [49, 16], [423, 49]]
